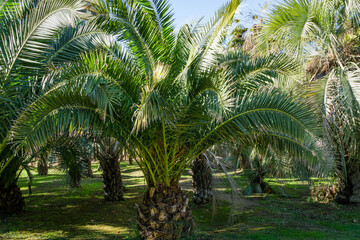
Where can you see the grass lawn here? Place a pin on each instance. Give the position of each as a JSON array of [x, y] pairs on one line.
[[54, 211]]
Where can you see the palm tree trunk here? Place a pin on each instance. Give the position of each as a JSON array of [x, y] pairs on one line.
[[244, 161], [355, 182], [202, 180], [130, 160], [11, 199], [164, 214], [88, 171], [113, 185], [350, 189], [75, 180], [42, 167]]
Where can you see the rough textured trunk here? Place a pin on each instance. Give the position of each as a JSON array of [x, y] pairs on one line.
[[75, 180], [42, 167], [88, 171], [113, 185], [202, 180], [11, 199], [350, 190], [164, 214], [355, 182]]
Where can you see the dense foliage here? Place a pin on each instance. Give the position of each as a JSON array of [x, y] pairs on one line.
[[119, 71]]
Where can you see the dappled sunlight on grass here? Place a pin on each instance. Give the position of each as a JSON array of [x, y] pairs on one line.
[[54, 211], [105, 229]]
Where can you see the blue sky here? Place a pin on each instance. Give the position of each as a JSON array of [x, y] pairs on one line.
[[187, 10]]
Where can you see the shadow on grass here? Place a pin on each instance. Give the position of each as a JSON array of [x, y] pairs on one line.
[[56, 212]]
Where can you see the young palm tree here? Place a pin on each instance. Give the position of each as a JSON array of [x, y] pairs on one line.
[[324, 35], [69, 156], [170, 96], [35, 37]]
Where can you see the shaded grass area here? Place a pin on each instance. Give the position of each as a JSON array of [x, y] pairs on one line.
[[54, 211]]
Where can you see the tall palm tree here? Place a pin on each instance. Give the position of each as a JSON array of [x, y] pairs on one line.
[[324, 35], [169, 96], [36, 37]]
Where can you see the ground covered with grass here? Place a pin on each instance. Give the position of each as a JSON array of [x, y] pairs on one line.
[[53, 211]]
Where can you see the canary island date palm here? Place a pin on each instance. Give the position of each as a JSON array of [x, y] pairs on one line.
[[324, 35], [35, 37], [170, 96], [108, 152]]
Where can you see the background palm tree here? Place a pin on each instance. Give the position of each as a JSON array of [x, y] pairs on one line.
[[69, 156], [324, 36], [108, 152], [36, 38], [42, 162]]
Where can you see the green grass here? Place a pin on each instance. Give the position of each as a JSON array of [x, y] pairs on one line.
[[54, 211]]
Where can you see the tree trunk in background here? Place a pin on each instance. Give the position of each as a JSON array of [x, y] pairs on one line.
[[258, 185], [164, 214], [42, 167], [202, 180], [75, 180], [113, 185], [99, 168], [11, 199], [244, 162], [88, 171], [130, 159]]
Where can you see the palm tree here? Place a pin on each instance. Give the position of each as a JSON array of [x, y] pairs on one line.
[[35, 37], [251, 73], [202, 180], [108, 152], [70, 160], [42, 162], [323, 35], [169, 96]]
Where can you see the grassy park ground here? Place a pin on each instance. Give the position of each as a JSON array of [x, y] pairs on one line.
[[54, 211]]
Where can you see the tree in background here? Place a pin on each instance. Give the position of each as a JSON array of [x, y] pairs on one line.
[[108, 152], [36, 38], [324, 37]]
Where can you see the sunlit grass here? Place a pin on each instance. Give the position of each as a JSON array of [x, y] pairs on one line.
[[54, 211]]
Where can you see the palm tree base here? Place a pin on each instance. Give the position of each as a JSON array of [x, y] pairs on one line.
[[350, 190], [113, 185], [88, 171], [202, 180], [355, 180], [164, 214], [42, 168], [75, 181], [11, 199]]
